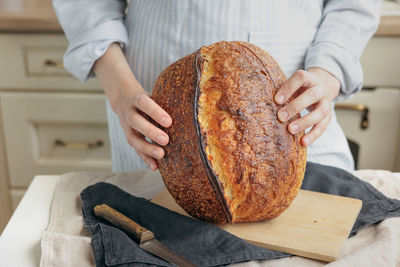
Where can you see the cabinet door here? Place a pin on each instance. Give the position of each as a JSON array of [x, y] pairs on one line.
[[53, 133], [379, 143], [16, 197], [380, 62], [35, 61]]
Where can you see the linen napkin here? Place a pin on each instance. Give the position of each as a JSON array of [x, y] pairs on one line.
[[202, 243]]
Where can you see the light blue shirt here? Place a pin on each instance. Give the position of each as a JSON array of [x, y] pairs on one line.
[[299, 34]]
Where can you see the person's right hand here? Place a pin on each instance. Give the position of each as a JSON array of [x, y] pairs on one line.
[[130, 102]]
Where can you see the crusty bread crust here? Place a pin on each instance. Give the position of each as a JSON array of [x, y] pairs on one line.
[[229, 158], [182, 168]]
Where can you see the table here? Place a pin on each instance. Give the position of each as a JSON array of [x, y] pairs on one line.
[[20, 240]]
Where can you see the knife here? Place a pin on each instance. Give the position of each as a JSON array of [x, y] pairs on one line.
[[145, 237]]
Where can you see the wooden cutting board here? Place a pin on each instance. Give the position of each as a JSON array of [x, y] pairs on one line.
[[314, 226]]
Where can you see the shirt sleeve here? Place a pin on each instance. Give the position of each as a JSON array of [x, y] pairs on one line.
[[90, 27], [345, 29]]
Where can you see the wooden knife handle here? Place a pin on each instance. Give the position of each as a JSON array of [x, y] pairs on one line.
[[126, 224]]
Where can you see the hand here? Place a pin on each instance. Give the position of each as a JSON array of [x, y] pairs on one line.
[[315, 90], [131, 102]]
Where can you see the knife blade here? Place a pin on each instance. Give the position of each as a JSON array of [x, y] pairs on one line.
[[143, 236]]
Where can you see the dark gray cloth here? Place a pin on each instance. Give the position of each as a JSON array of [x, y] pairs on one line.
[[205, 244]]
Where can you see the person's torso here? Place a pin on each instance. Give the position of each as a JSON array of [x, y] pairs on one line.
[[162, 31]]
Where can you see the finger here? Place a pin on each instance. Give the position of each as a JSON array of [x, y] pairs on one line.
[[141, 146], [320, 112], [143, 126], [147, 105], [149, 162], [316, 131], [306, 99], [300, 78]]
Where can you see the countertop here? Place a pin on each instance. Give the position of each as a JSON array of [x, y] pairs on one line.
[[20, 240], [28, 16], [39, 16]]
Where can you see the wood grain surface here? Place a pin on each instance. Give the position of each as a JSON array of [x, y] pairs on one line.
[[315, 226], [28, 16], [389, 26]]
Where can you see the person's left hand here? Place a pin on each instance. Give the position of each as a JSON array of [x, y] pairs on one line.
[[313, 89]]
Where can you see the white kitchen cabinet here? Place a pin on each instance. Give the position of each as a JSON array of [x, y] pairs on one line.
[[380, 141], [50, 123], [381, 62], [51, 133], [16, 196], [35, 61]]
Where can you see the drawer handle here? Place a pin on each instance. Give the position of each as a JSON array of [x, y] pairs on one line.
[[52, 63], [78, 145], [357, 107]]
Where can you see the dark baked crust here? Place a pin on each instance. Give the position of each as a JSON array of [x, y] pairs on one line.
[[298, 154], [182, 167], [264, 164]]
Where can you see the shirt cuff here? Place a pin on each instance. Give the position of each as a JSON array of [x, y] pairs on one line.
[[84, 50], [340, 63]]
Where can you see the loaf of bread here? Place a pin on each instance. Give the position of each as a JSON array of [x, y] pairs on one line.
[[229, 158]]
